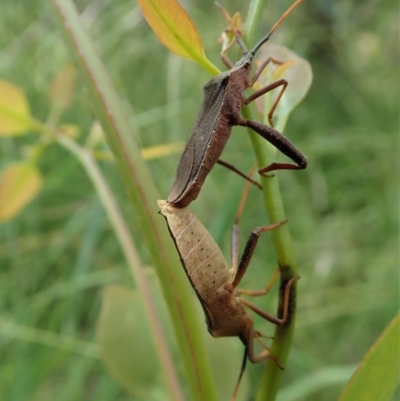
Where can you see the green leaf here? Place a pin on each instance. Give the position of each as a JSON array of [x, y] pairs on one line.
[[307, 386], [173, 27], [157, 151], [378, 375], [296, 70], [122, 335], [14, 110], [175, 30], [123, 339], [19, 184]]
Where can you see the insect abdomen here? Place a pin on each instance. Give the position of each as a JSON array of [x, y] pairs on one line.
[[201, 257]]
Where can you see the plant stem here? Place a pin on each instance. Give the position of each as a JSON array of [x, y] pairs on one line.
[[143, 196], [253, 15], [265, 154], [132, 257]]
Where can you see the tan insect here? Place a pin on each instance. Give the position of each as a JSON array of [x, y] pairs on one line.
[[216, 284]]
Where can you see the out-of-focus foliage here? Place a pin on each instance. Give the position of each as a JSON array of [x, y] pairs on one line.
[[19, 184], [58, 254], [370, 381], [14, 110]]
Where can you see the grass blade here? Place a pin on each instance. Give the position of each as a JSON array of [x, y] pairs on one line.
[[143, 195]]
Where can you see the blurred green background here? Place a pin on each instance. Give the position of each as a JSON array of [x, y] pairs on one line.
[[60, 252]]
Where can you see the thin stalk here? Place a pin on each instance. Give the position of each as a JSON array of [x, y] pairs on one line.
[[132, 257], [265, 154], [282, 341], [143, 196], [121, 230], [253, 15], [47, 338]]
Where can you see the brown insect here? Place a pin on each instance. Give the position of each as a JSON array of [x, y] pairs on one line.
[[216, 285], [223, 99]]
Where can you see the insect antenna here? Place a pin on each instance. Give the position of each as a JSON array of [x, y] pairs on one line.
[[242, 368], [283, 17]]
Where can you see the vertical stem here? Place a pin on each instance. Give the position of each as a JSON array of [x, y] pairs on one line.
[[132, 258], [265, 154], [143, 195], [253, 15]]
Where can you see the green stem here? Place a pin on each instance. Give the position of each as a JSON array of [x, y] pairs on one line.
[[265, 154], [207, 65], [47, 338], [253, 15], [283, 245], [132, 257], [143, 196], [127, 245]]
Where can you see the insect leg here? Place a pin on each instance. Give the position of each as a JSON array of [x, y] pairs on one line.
[[261, 68], [281, 82], [235, 170], [225, 58], [265, 291], [249, 250], [223, 55], [237, 39], [273, 319], [281, 143], [251, 335], [235, 228], [249, 353], [242, 369]]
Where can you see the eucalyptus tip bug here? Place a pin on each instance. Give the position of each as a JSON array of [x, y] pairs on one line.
[[222, 101]]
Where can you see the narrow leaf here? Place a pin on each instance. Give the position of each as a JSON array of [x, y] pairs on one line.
[[173, 27], [155, 152], [19, 184], [149, 153], [143, 195], [14, 110], [228, 34], [176, 31], [378, 375]]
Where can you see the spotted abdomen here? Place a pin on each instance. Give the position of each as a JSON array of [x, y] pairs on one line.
[[200, 255]]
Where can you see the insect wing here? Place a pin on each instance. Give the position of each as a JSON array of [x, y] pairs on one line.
[[195, 149]]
